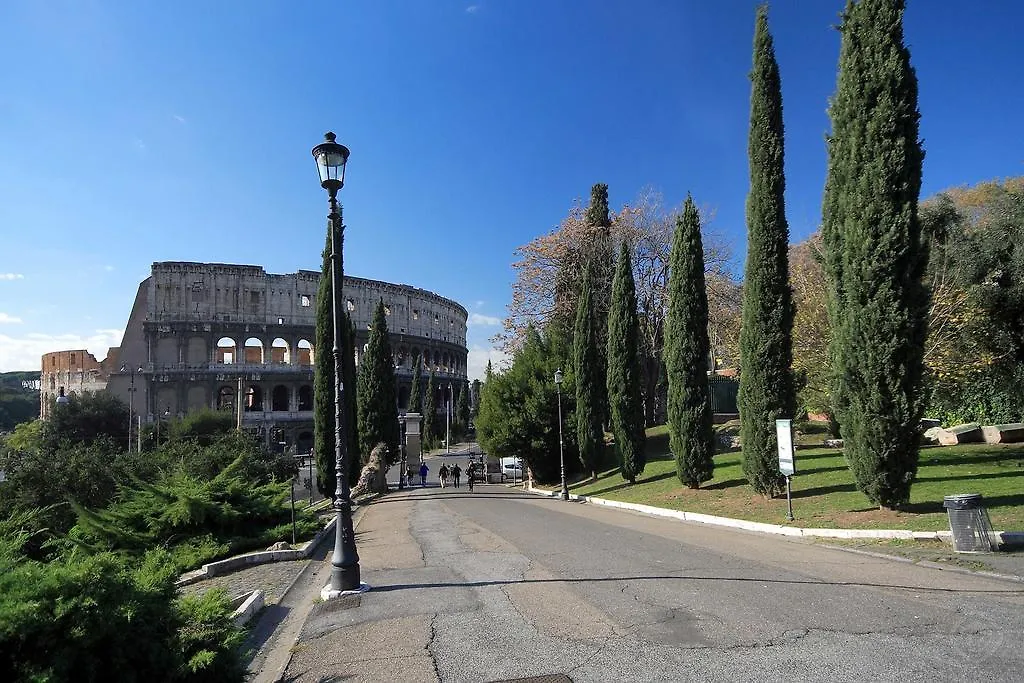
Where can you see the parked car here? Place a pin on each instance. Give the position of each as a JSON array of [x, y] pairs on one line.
[[511, 469]]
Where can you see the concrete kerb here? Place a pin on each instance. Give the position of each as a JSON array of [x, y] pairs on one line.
[[219, 567], [1005, 537]]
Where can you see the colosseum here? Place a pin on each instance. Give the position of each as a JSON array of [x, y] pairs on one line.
[[211, 335]]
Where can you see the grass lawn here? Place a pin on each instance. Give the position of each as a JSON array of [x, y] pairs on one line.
[[824, 494]]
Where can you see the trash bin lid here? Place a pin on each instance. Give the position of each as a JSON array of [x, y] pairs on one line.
[[962, 501]]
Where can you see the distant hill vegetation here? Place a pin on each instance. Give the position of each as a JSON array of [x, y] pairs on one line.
[[19, 398]]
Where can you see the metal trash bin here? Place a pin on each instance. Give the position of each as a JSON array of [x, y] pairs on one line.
[[969, 523]]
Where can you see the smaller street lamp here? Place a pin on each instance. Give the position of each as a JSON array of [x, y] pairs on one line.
[[561, 449]]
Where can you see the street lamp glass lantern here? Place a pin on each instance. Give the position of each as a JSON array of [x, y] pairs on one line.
[[331, 158], [558, 376]]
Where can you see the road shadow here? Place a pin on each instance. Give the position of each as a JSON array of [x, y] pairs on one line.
[[384, 588]]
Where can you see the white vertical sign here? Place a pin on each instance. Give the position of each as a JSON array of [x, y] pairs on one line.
[[784, 434]]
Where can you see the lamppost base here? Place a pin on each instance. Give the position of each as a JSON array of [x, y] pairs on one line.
[[328, 593], [565, 494]]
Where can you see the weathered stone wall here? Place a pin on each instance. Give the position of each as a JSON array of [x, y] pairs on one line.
[[75, 372]]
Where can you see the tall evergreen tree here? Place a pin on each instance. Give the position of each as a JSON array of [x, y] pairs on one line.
[[378, 405], [589, 378], [430, 412], [624, 379], [462, 408], [602, 263], [416, 392], [686, 353], [766, 390], [323, 377], [348, 367], [874, 254]]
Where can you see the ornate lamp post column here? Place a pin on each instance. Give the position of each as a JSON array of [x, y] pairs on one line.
[[561, 449], [331, 158], [448, 419], [131, 407]]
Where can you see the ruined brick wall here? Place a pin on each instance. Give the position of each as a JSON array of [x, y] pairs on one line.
[[74, 372]]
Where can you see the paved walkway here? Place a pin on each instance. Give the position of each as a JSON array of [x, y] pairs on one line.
[[499, 585]]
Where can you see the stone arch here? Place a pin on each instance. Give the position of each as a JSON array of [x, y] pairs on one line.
[[279, 398], [196, 354], [306, 397], [166, 350], [226, 397], [227, 352], [253, 351], [197, 398], [254, 398], [280, 352], [305, 352], [166, 400]]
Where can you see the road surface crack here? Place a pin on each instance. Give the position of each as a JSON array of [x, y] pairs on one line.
[[430, 645]]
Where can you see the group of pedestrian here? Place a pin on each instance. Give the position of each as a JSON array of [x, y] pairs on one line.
[[450, 474]]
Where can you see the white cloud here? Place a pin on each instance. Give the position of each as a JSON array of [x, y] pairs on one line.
[[140, 145], [11, 276], [180, 119], [481, 319], [109, 269], [473, 9], [4, 318], [479, 303], [25, 353], [476, 363]]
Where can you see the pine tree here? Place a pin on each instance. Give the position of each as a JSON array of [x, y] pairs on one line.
[[766, 390], [624, 399], [589, 379], [874, 254], [323, 377], [430, 413], [415, 392], [686, 353], [462, 409], [378, 417]]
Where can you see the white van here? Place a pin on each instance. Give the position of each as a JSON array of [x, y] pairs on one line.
[[511, 469]]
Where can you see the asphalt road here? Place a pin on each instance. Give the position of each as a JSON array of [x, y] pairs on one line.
[[500, 584]]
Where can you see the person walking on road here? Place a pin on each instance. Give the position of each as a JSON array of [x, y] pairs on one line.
[[470, 471], [423, 474], [409, 479], [443, 474], [456, 474]]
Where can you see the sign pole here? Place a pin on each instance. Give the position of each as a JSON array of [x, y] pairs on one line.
[[787, 460], [789, 500]]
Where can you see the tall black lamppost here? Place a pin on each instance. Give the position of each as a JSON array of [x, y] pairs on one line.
[[561, 450], [331, 158], [131, 406], [449, 397]]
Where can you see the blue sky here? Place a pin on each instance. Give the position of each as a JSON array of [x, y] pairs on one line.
[[134, 132]]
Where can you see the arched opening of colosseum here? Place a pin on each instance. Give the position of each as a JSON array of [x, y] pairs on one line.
[[253, 351], [279, 398], [226, 353], [306, 355], [226, 398], [304, 444], [197, 354], [166, 402], [254, 398], [166, 350], [197, 399], [306, 397], [280, 354]]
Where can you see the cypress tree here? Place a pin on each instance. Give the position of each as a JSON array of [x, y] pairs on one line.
[[875, 259], [430, 413], [415, 392], [323, 377], [348, 367], [602, 263], [766, 387], [686, 353], [462, 409], [589, 379], [378, 416], [624, 400]]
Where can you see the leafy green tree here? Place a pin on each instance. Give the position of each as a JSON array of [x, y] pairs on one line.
[[84, 419], [430, 429], [691, 437], [766, 390], [874, 254], [378, 404], [624, 371], [204, 426], [415, 392], [518, 410], [589, 377]]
